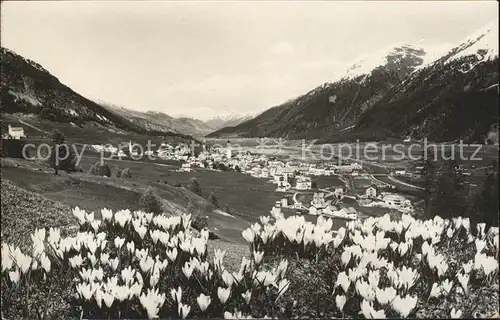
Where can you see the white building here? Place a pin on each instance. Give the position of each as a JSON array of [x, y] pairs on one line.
[[371, 191], [303, 183], [16, 132], [186, 167]]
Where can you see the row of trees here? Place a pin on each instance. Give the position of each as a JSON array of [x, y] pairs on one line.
[[448, 194]]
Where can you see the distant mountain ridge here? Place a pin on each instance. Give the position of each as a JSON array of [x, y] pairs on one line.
[[156, 120], [402, 92]]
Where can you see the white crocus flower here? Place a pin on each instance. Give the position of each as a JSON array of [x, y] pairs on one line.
[[343, 281], [435, 291], [95, 224], [14, 276], [106, 214], [283, 286], [114, 263], [227, 278], [176, 294], [385, 296], [45, 261], [84, 290], [345, 257], [247, 296], [257, 256], [480, 245], [187, 269], [108, 299], [340, 301], [128, 275], [447, 285], [76, 261], [92, 258], [463, 278], [131, 246], [248, 235], [79, 214], [404, 306], [219, 257], [119, 242], [54, 235], [172, 254], [203, 302], [455, 314], [223, 294]]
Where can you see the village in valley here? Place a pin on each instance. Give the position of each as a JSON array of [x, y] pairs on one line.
[[295, 179]]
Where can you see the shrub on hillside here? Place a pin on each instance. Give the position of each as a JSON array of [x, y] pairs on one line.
[[194, 186], [227, 209], [199, 222], [118, 172], [126, 174], [178, 185], [150, 202], [213, 199], [99, 169]]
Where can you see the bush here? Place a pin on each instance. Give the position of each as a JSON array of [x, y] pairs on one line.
[[199, 222], [194, 186], [227, 209], [99, 169], [118, 172], [150, 202], [178, 185], [213, 199], [126, 174]]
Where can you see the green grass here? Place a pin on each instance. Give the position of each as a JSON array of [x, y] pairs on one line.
[[24, 211], [93, 193]]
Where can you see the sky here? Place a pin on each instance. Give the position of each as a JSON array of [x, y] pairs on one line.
[[206, 59]]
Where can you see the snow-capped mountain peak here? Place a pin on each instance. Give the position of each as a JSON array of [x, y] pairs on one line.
[[483, 43], [394, 56]]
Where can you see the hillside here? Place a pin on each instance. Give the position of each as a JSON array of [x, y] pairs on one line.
[[28, 88], [453, 97]]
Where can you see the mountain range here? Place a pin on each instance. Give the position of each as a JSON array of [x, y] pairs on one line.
[[403, 91], [29, 89], [400, 92]]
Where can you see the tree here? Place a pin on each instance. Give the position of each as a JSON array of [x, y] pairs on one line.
[[150, 202], [314, 185], [194, 186], [227, 209], [213, 199], [484, 205], [99, 169], [237, 169], [62, 156]]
